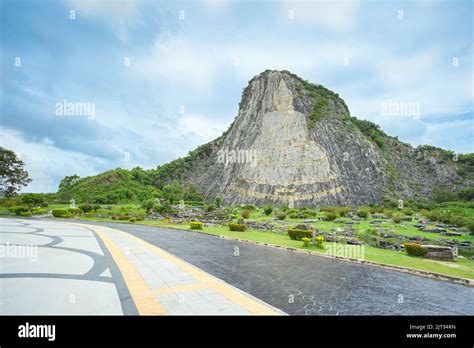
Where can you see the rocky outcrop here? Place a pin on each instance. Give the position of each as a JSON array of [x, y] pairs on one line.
[[295, 143], [437, 252]]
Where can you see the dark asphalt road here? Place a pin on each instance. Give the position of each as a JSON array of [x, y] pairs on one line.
[[317, 286]]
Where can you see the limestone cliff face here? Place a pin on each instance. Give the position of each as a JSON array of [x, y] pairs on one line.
[[293, 142]]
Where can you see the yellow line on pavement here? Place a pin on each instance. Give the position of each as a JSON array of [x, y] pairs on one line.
[[142, 295], [145, 296]]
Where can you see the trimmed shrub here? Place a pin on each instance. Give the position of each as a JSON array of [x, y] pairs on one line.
[[330, 216], [245, 213], [415, 249], [296, 234], [281, 215], [86, 207], [237, 227], [362, 213], [74, 211], [319, 241], [306, 242], [196, 225], [397, 219], [121, 217], [268, 210], [20, 209], [25, 213], [132, 219], [61, 213]]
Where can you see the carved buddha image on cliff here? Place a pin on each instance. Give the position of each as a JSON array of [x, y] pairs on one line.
[[285, 153]]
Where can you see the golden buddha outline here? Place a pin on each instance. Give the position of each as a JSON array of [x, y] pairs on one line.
[[285, 154]]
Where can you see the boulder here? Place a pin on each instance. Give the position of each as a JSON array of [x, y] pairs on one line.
[[379, 216], [433, 229], [451, 234], [305, 227], [438, 252], [375, 222]]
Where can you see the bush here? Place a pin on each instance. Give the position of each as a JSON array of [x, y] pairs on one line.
[[362, 213], [344, 211], [25, 213], [218, 202], [20, 209], [35, 211], [245, 213], [281, 215], [132, 219], [309, 213], [319, 241], [329, 209], [425, 213], [86, 208], [297, 234], [237, 227], [407, 211], [415, 249], [306, 242], [121, 217], [330, 216], [210, 208], [268, 210], [249, 207], [196, 225], [74, 211], [387, 213], [293, 215], [61, 213], [470, 227], [397, 219]]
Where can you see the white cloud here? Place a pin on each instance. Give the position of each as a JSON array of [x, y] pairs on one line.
[[181, 60], [330, 15], [46, 163], [204, 128], [120, 15]]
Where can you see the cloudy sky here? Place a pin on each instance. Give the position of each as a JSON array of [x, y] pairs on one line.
[[167, 76]]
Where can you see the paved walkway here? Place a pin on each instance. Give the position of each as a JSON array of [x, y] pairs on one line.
[[86, 269]]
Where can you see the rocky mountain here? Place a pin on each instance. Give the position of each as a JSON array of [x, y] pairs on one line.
[[294, 142]]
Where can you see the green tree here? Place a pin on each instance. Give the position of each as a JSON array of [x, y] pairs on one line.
[[32, 199], [12, 174], [173, 192], [68, 182]]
